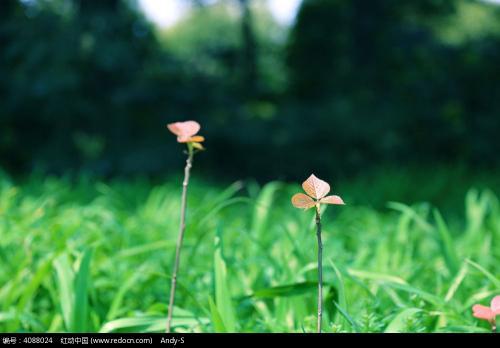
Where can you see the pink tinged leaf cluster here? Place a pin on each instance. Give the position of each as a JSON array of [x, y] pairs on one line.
[[186, 131], [488, 313], [317, 191]]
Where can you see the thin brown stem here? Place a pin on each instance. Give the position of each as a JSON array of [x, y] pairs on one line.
[[320, 269], [182, 228]]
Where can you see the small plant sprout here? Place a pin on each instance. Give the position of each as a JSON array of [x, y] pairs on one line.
[[186, 134], [488, 313], [317, 191]]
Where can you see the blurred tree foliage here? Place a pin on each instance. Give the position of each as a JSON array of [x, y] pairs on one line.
[[89, 85], [394, 91]]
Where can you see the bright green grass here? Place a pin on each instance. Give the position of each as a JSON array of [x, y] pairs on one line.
[[91, 256]]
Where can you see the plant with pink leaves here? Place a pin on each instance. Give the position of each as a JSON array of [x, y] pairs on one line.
[[316, 194]]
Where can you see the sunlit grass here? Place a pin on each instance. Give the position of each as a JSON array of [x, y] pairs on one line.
[[95, 256]]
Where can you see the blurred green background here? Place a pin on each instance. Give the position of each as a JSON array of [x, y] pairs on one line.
[[395, 103], [339, 88]]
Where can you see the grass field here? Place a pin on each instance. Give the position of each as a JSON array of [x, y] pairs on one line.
[[84, 255]]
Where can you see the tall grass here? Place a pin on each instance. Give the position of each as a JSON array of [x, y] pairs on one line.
[[91, 256]]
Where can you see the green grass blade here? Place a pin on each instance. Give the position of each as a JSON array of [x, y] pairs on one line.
[[118, 299], [81, 305], [152, 323], [217, 322], [376, 276], [34, 284], [399, 323], [263, 206], [456, 282], [403, 208], [340, 286], [146, 248], [139, 324], [463, 329], [347, 316], [64, 280], [285, 290], [433, 299], [222, 294], [446, 244], [486, 273]]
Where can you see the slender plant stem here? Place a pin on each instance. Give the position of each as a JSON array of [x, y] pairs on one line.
[[182, 228], [320, 269]]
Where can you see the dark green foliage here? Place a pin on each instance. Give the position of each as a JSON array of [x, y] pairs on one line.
[[376, 84], [88, 85]]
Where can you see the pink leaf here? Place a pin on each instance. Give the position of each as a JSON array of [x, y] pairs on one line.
[[482, 312], [332, 200], [495, 305], [316, 188], [184, 129], [300, 200]]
